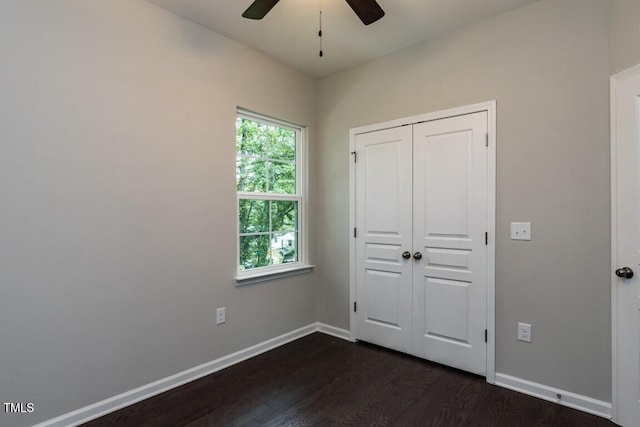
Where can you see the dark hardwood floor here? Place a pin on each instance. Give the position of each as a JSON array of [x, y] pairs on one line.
[[320, 380]]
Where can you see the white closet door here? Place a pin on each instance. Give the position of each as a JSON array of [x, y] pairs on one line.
[[383, 216], [449, 224]]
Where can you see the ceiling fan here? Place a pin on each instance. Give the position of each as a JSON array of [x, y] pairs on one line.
[[369, 11]]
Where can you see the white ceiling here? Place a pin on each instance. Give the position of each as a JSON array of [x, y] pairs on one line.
[[290, 31]]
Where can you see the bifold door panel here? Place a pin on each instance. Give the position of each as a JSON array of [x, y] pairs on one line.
[[421, 258]]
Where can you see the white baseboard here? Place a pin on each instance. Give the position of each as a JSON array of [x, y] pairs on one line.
[[572, 400], [114, 403], [333, 331]]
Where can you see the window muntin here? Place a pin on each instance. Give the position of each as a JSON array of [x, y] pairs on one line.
[[269, 186]]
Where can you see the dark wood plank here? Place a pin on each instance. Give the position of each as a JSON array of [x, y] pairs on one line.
[[320, 380]]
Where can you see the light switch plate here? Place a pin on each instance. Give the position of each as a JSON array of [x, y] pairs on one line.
[[520, 231]]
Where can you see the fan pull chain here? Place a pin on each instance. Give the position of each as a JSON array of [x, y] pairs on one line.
[[320, 25]]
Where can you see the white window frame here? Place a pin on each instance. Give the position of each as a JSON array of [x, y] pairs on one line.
[[261, 274]]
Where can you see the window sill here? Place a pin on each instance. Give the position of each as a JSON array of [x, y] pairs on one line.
[[263, 276]]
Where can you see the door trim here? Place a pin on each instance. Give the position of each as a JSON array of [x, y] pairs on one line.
[[490, 108], [623, 75]]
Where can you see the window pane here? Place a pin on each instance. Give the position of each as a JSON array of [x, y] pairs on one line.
[[251, 137], [254, 216], [284, 215], [251, 174], [281, 144], [284, 248], [282, 178], [268, 218], [254, 251]]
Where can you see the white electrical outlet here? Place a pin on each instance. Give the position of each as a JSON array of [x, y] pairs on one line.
[[520, 231], [524, 332], [220, 316]]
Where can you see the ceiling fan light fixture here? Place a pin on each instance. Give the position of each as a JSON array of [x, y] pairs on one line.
[[369, 11]]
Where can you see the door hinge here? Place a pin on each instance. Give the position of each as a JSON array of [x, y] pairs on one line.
[[486, 335], [486, 238], [355, 156], [355, 307], [486, 142], [355, 232]]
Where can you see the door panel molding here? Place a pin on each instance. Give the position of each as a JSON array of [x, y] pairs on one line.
[[453, 263]]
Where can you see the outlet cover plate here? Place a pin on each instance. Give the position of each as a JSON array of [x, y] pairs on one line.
[[220, 316], [520, 231], [524, 332]]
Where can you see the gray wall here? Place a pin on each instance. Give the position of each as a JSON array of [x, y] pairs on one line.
[[117, 189], [547, 65], [625, 34]]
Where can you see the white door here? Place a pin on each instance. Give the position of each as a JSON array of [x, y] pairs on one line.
[[383, 215], [625, 216], [421, 216], [450, 222]]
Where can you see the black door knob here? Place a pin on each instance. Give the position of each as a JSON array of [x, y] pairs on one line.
[[624, 272], [406, 254], [417, 256]]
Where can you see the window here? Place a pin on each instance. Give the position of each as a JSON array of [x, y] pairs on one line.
[[270, 187]]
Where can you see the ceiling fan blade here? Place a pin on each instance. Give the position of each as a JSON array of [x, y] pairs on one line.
[[259, 8], [368, 11]]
